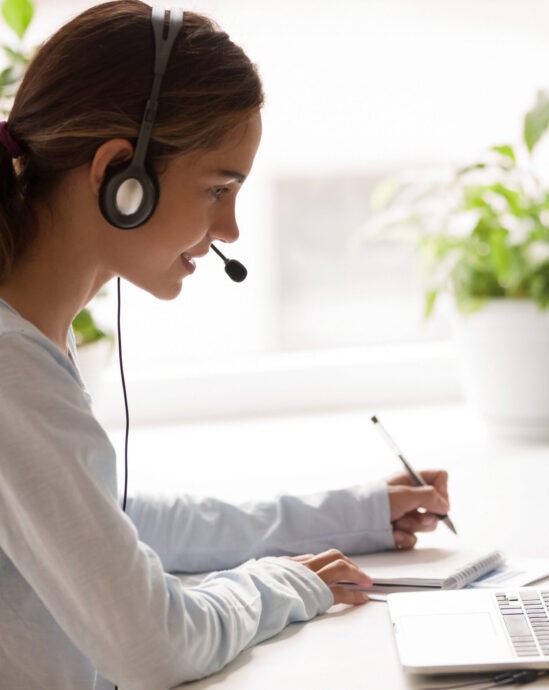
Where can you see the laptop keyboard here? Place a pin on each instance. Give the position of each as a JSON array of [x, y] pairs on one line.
[[526, 620]]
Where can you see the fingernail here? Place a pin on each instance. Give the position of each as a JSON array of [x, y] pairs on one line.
[[430, 521]]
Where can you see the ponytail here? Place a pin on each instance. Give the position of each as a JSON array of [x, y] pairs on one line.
[[12, 234]]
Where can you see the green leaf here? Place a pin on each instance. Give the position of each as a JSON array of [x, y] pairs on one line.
[[16, 56], [506, 151], [512, 197], [85, 328], [536, 120], [430, 299], [6, 77], [469, 168], [467, 304], [18, 15]]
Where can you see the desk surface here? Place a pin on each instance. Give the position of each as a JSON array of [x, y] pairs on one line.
[[350, 648], [499, 492]]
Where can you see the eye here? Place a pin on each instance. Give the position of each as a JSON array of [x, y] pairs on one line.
[[219, 192]]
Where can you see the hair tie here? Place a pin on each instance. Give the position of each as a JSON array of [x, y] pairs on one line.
[[8, 142]]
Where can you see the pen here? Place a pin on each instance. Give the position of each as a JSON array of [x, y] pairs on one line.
[[418, 479]]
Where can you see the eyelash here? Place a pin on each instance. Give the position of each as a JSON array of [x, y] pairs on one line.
[[219, 192]]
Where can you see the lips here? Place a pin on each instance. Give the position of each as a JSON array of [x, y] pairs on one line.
[[188, 262]]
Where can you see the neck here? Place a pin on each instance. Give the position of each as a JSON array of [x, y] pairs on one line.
[[48, 299], [55, 279]]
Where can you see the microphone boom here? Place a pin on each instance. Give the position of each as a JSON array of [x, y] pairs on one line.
[[233, 268]]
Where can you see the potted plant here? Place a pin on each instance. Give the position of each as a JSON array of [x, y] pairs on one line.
[[94, 342], [482, 232]]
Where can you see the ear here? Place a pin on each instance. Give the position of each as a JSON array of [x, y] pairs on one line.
[[112, 152]]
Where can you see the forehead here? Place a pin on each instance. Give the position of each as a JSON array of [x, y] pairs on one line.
[[239, 147], [235, 154]]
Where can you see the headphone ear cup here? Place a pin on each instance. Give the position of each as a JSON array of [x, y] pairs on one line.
[[128, 196]]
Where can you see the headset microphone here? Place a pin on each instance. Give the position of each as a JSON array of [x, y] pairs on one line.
[[234, 269]]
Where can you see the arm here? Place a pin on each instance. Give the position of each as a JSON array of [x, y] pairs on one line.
[[199, 535], [192, 535]]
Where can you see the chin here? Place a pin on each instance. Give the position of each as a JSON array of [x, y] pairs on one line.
[[167, 294], [163, 292], [164, 288]]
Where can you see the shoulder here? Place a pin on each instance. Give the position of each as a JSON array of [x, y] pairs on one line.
[[44, 409], [26, 354], [38, 382]]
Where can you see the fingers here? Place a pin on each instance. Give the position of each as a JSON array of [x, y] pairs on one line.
[[403, 539], [417, 522], [405, 499], [415, 508], [332, 557], [349, 596], [436, 478], [335, 568]]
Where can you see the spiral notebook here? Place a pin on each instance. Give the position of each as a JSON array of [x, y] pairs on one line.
[[429, 568]]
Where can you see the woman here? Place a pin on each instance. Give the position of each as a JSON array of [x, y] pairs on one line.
[[85, 597]]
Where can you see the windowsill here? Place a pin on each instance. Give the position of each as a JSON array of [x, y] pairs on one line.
[[287, 383]]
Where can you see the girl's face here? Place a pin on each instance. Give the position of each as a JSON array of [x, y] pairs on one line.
[[196, 207]]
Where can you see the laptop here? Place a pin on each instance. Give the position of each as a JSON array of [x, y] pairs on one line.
[[471, 630]]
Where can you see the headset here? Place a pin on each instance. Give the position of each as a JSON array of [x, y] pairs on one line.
[[129, 193]]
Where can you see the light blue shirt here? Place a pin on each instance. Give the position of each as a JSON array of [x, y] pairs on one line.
[[86, 592]]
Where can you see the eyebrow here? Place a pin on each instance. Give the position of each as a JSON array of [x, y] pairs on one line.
[[238, 176]]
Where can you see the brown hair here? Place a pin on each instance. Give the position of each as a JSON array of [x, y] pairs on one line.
[[89, 83]]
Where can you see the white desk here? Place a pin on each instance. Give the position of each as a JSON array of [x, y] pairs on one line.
[[499, 491], [346, 649]]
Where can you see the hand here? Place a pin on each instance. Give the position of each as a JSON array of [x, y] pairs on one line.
[[333, 567], [413, 507]]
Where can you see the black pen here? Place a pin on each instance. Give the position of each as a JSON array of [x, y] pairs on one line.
[[418, 479]]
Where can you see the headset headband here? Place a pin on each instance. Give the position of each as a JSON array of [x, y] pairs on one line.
[[163, 47], [130, 192]]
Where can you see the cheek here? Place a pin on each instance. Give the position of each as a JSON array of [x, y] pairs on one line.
[[181, 225]]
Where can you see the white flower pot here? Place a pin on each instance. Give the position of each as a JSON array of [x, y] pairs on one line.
[[504, 350]]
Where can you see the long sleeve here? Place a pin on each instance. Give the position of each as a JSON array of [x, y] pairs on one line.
[[199, 535], [92, 593]]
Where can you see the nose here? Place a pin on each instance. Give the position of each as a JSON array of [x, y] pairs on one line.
[[224, 227]]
